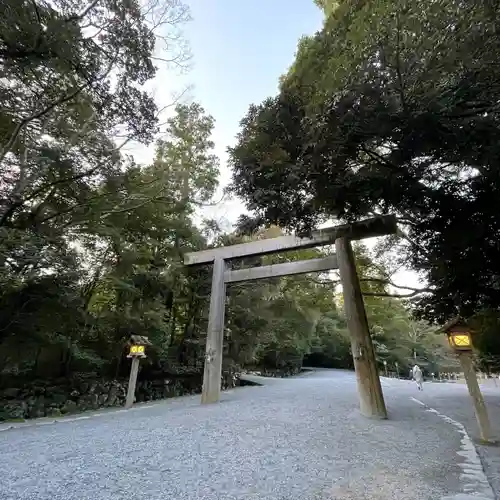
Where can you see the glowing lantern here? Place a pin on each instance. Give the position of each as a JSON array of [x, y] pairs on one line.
[[137, 346], [459, 335], [461, 341]]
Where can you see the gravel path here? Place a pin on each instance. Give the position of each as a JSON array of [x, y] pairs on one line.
[[454, 401], [293, 439]]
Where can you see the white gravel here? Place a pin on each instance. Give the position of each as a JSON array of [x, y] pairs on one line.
[[293, 439], [454, 401]]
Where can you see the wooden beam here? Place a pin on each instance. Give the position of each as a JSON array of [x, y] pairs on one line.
[[377, 226], [285, 269]]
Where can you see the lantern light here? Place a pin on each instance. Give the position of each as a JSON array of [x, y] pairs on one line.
[[137, 351], [459, 335], [461, 341], [137, 346]]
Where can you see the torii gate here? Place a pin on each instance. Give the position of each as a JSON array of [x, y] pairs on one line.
[[371, 398]]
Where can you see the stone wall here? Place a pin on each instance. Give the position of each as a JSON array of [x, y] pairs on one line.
[[60, 397]]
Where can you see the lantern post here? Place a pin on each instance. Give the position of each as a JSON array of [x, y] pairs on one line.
[[137, 350], [460, 340]]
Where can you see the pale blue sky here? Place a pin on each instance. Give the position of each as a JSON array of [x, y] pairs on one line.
[[240, 49]]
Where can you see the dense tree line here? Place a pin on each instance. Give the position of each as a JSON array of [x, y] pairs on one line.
[[91, 242]]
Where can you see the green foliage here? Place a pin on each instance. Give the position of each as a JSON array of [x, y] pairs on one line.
[[485, 326], [331, 346], [391, 107], [327, 6], [397, 337], [272, 322]]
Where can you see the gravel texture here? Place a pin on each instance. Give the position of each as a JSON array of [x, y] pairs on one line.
[[292, 439], [454, 401]]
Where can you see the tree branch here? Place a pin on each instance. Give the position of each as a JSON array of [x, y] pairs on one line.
[[34, 116], [50, 185], [414, 291], [78, 17], [398, 62], [402, 287], [404, 236], [392, 295]]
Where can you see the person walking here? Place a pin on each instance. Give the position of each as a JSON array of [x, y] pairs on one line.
[[418, 377]]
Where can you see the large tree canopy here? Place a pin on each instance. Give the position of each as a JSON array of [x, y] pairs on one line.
[[72, 94], [391, 107]]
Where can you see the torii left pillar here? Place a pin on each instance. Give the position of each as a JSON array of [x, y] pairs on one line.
[[215, 335]]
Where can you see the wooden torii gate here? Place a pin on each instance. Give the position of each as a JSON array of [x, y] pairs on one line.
[[369, 388]]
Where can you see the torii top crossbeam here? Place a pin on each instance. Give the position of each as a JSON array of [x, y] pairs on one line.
[[368, 228]]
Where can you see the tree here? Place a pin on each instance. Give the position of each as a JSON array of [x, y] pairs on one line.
[[272, 321], [71, 98], [149, 292], [72, 95], [391, 107], [396, 336], [485, 338], [127, 269], [188, 150]]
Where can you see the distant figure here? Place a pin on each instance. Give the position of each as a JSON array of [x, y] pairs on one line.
[[418, 377]]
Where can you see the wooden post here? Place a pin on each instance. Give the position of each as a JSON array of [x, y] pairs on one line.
[[480, 410], [132, 381], [371, 398], [215, 336]]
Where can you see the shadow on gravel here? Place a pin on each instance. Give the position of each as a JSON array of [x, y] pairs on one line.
[[245, 382], [251, 379]]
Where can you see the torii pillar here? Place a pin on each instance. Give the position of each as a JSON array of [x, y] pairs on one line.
[[371, 399]]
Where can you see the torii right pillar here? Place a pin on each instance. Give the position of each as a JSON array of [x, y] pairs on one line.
[[371, 398]]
